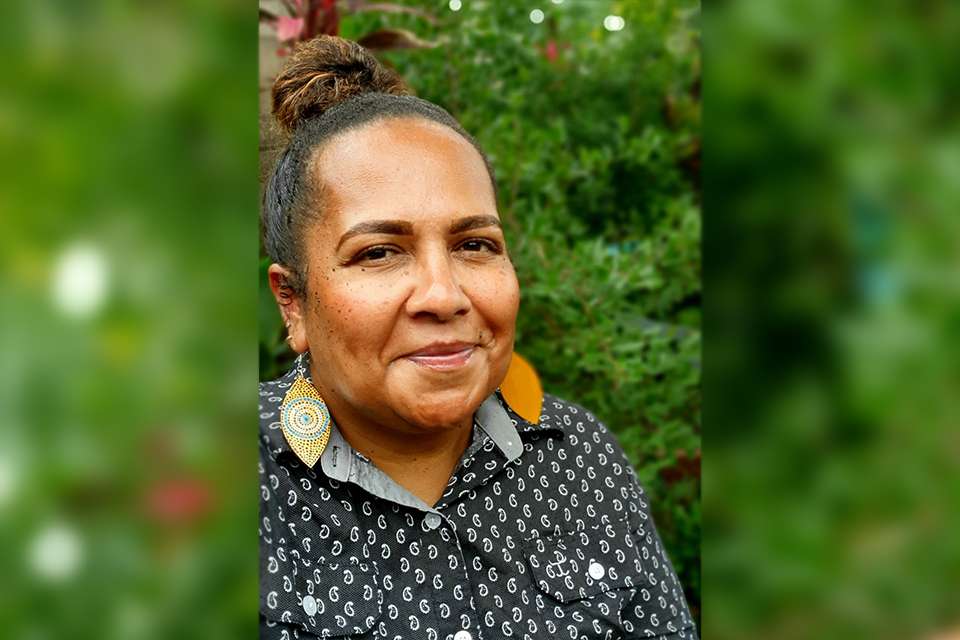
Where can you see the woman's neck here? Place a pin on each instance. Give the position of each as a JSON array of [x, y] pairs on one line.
[[420, 461]]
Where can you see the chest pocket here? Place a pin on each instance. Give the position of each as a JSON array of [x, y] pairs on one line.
[[581, 564], [331, 600]]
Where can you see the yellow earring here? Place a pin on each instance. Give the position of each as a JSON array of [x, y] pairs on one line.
[[304, 418]]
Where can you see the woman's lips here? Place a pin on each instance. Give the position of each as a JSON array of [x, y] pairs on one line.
[[442, 357]]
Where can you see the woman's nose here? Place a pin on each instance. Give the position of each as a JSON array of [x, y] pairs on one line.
[[437, 292]]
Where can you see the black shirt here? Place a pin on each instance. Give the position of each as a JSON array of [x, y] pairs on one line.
[[542, 532]]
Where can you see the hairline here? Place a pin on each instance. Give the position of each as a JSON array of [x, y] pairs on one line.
[[317, 150], [311, 138], [312, 166]]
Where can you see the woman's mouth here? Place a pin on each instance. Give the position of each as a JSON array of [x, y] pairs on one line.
[[443, 356]]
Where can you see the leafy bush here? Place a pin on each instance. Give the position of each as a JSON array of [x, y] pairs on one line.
[[594, 136]]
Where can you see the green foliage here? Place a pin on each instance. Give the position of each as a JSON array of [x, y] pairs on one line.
[[834, 356], [595, 150], [128, 482]]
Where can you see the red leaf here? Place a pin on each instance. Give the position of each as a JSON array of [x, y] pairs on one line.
[[179, 501], [551, 51]]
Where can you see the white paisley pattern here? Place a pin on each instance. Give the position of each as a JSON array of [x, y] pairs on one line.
[[551, 539]]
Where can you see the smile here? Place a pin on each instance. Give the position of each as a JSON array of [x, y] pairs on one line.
[[443, 357]]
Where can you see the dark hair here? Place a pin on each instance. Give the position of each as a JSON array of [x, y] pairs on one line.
[[328, 86]]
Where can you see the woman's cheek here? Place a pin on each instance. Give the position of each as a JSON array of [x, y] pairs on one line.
[[368, 308], [338, 306], [500, 298], [510, 292]]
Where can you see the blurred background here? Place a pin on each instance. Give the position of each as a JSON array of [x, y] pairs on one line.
[[590, 114], [832, 310], [128, 303], [832, 316]]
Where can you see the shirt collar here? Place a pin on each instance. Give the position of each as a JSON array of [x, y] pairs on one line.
[[340, 462], [524, 426], [495, 417], [337, 459], [494, 420]]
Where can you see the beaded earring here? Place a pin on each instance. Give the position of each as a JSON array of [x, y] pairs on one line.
[[304, 418]]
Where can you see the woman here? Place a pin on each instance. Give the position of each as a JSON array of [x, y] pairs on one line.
[[402, 496]]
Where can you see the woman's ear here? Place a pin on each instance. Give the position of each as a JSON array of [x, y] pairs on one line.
[[290, 305]]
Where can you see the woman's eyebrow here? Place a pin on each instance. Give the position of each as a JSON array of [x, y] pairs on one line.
[[386, 227], [474, 222]]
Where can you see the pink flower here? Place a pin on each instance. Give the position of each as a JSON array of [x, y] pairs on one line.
[[289, 28]]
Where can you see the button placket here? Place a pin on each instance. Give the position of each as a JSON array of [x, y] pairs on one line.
[[468, 610]]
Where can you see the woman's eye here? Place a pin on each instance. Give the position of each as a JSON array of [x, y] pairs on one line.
[[375, 254], [479, 245]]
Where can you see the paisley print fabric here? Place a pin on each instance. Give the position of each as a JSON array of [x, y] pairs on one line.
[[543, 532]]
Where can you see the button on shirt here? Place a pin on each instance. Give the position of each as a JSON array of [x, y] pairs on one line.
[[542, 532]]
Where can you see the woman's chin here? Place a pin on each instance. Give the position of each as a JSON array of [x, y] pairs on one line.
[[445, 409], [431, 400]]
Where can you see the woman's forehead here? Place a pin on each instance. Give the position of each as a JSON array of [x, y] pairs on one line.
[[402, 169]]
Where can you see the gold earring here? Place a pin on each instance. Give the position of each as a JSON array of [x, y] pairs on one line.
[[304, 418]]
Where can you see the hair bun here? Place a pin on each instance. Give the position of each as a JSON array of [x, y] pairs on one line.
[[323, 72]]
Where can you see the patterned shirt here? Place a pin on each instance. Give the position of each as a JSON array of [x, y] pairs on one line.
[[542, 532]]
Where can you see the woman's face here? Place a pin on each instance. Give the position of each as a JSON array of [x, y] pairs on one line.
[[411, 298]]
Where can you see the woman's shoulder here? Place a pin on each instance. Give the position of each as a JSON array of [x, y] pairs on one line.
[[586, 452], [271, 394], [269, 401], [270, 397], [582, 430], [568, 416], [278, 387]]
